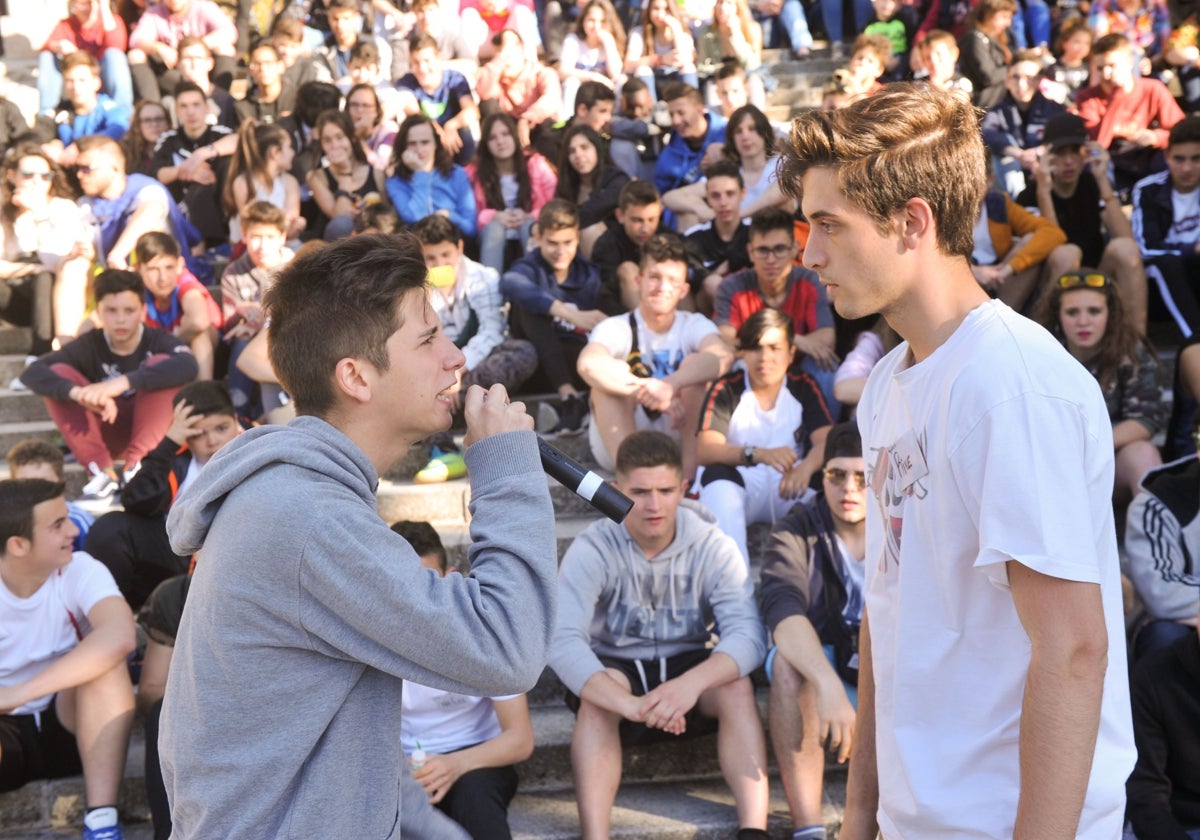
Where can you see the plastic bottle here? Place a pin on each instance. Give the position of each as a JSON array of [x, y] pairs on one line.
[[417, 760]]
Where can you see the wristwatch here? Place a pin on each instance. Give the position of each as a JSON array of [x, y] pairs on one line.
[[748, 456]]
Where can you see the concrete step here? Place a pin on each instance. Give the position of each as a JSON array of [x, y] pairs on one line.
[[20, 406], [15, 340], [11, 433]]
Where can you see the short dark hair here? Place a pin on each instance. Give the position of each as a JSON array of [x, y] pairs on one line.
[[189, 87], [340, 301], [206, 397], [1112, 42], [18, 498], [79, 58], [729, 69], [365, 51], [343, 5], [113, 281], [435, 229], [648, 449], [843, 441], [590, 93], [154, 244], [379, 217], [631, 87], [422, 41], [664, 247], [558, 214], [423, 539], [1187, 130], [638, 193], [750, 334], [681, 90], [725, 168], [769, 219], [35, 451]]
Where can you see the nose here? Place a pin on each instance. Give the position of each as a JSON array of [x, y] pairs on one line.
[[813, 257]]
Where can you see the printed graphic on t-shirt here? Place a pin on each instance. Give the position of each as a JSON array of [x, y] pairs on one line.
[[895, 473]]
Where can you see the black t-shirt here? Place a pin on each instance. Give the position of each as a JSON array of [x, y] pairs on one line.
[[707, 250], [613, 248], [203, 201], [1078, 216]]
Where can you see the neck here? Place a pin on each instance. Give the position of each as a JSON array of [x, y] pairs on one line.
[[653, 548], [774, 286], [726, 228], [271, 92], [345, 167], [755, 162], [85, 106], [115, 189], [853, 534], [194, 133], [930, 314], [128, 346], [1065, 189], [22, 585], [658, 322], [507, 166]]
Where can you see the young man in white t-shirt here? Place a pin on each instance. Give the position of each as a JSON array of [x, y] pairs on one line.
[[65, 632], [654, 377], [993, 697]]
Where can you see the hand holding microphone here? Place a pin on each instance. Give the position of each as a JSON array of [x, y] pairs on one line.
[[490, 413]]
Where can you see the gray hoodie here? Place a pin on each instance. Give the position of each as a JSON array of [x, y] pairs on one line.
[[614, 602], [282, 710]]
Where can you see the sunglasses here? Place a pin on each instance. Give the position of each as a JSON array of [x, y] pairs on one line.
[[838, 477], [1075, 279], [29, 174]]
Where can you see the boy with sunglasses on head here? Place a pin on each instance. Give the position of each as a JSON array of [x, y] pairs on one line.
[[812, 601]]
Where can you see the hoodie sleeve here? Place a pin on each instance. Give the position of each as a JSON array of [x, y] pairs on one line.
[[785, 582], [1156, 559], [364, 594], [581, 582], [730, 593], [521, 288], [149, 492]]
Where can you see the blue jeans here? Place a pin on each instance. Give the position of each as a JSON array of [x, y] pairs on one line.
[[1157, 635], [653, 77], [793, 21], [1031, 24], [824, 379], [493, 239], [831, 13], [114, 76]]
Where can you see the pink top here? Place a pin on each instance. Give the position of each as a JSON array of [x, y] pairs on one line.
[[201, 18], [542, 183]]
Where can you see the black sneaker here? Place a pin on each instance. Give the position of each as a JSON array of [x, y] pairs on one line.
[[571, 414]]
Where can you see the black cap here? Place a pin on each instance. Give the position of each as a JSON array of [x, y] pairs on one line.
[[843, 441], [1065, 130]]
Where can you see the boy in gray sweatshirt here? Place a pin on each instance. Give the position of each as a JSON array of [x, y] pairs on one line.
[[640, 601], [282, 710]]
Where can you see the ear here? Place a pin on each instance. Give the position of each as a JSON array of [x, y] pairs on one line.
[[354, 377], [916, 223], [16, 546]]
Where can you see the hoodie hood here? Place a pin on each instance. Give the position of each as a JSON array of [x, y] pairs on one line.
[[307, 442]]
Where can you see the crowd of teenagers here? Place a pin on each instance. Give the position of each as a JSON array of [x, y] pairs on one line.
[[594, 189]]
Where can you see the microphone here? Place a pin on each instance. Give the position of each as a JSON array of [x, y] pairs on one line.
[[584, 483]]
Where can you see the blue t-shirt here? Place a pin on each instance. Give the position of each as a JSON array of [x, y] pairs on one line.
[[108, 118], [443, 104]]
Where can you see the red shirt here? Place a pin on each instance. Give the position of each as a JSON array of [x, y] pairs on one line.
[[92, 39]]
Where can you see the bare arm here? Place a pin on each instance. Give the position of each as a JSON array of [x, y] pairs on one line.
[[600, 370], [711, 359], [862, 788], [152, 215], [800, 645], [254, 362], [194, 318], [605, 692], [1060, 713]]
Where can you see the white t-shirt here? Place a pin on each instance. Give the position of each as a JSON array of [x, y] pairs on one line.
[[661, 352], [38, 630], [996, 447], [50, 233], [443, 721], [1185, 210]]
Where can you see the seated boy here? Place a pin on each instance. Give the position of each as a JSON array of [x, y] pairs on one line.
[[649, 368], [556, 297], [33, 458], [84, 110], [720, 246], [65, 695], [470, 744], [132, 542], [619, 250], [175, 300], [264, 232], [631, 642], [109, 391], [938, 54], [466, 298]]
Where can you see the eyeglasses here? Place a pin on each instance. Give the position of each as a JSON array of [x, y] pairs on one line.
[[762, 252], [1075, 279], [29, 174], [153, 120], [838, 477], [86, 170]]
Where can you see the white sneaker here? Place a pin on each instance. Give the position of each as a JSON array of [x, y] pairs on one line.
[[101, 486], [129, 473], [17, 384]]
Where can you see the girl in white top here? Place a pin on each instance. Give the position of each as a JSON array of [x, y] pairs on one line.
[[661, 47], [592, 51], [43, 230], [261, 170]]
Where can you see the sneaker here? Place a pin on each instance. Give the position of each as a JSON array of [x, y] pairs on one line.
[[109, 828], [571, 414], [101, 486], [442, 466], [112, 832], [17, 384], [129, 472]]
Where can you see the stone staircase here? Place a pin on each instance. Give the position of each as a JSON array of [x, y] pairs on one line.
[[669, 791]]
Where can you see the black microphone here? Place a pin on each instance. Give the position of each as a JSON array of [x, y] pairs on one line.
[[584, 483]]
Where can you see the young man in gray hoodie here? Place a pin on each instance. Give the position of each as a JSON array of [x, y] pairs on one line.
[[639, 602], [282, 710]]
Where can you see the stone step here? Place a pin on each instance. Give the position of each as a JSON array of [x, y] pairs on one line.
[[15, 340], [20, 406], [11, 433]]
